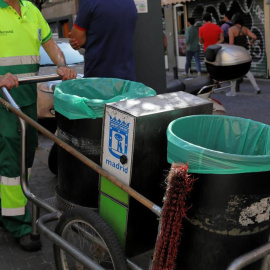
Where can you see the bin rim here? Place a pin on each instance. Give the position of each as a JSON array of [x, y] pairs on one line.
[[219, 153], [85, 98]]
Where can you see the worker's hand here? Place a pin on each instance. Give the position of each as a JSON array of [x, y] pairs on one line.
[[74, 43], [9, 81], [67, 73]]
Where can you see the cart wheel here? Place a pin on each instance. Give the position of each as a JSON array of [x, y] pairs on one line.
[[88, 232], [53, 160]]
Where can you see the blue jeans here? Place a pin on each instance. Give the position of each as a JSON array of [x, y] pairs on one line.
[[189, 55]]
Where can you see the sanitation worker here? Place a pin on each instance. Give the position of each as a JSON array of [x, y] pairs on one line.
[[22, 30]]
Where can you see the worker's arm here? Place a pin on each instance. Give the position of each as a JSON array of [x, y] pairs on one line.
[[58, 59], [77, 37]]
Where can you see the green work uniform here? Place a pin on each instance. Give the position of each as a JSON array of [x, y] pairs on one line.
[[20, 40]]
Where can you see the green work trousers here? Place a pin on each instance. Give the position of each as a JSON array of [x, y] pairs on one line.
[[10, 155]]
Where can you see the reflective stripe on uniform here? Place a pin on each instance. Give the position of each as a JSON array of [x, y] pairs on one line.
[[13, 211], [19, 60], [13, 200], [7, 181]]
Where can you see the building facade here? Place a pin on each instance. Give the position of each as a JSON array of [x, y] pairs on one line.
[[61, 15], [256, 13]]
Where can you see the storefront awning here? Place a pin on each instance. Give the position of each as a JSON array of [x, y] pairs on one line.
[[169, 2]]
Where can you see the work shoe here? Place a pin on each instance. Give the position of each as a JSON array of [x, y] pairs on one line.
[[29, 243], [231, 94]]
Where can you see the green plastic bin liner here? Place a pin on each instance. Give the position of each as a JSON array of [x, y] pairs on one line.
[[85, 98], [215, 144]]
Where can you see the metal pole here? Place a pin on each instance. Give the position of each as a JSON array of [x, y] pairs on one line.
[[63, 244], [250, 257]]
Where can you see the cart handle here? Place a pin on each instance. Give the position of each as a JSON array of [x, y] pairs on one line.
[[41, 78], [27, 80]]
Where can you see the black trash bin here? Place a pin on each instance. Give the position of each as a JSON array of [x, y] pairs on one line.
[[79, 105], [230, 201]]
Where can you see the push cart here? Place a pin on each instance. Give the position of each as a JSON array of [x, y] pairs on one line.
[[83, 234], [76, 227]]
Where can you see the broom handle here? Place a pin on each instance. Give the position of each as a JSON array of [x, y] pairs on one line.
[[137, 196], [37, 79]]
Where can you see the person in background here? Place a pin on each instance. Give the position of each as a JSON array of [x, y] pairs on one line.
[[225, 28], [192, 47], [106, 30], [23, 31], [226, 25], [210, 33], [238, 36]]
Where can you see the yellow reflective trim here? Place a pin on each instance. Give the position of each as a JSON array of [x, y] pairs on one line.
[[22, 35], [12, 197]]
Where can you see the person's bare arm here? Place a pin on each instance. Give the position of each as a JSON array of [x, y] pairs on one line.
[[77, 38], [221, 38], [251, 35], [231, 36], [54, 52], [58, 59]]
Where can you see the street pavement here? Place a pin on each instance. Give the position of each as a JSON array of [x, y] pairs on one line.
[[42, 183], [246, 104]]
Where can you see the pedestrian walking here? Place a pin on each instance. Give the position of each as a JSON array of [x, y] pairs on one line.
[[210, 33], [226, 25], [238, 35], [23, 31], [192, 47]]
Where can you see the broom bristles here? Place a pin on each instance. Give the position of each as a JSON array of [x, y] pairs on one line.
[[179, 186]]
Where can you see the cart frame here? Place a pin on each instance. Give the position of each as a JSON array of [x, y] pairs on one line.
[[38, 223]]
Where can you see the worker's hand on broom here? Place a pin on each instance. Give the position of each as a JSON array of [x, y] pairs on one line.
[[9, 81]]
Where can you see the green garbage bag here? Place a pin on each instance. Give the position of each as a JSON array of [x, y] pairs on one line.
[[86, 98], [215, 144]]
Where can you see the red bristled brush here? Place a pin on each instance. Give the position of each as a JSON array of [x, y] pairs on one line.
[[179, 186]]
